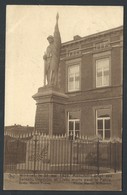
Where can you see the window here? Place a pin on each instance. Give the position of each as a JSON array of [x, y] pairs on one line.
[[73, 78], [73, 124], [102, 72], [103, 126]]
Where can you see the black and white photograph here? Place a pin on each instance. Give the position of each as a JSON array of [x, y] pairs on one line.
[[63, 98]]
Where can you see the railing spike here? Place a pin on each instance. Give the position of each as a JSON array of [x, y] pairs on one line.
[[47, 136], [44, 135], [56, 136]]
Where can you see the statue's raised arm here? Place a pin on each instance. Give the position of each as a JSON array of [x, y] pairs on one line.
[[52, 56], [56, 52]]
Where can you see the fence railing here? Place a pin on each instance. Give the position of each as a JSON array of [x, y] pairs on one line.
[[38, 153]]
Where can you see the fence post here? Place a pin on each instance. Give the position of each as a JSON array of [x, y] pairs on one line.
[[115, 157], [98, 171], [110, 152], [77, 152], [35, 154], [17, 147], [71, 141], [5, 153]]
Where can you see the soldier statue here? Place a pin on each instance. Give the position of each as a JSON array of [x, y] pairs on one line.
[[52, 57]]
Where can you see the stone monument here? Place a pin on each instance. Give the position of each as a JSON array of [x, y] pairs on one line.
[[50, 101]]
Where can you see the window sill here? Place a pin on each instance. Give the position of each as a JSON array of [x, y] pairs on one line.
[[73, 92]]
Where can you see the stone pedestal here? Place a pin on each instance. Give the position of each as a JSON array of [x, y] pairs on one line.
[[50, 111]]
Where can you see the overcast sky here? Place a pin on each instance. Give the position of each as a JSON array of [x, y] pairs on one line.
[[27, 29]]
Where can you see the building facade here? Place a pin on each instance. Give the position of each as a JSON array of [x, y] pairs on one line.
[[91, 75]]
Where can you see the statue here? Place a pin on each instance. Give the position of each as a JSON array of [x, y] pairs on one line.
[[52, 57]]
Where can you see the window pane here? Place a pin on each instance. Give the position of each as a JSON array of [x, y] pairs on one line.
[[107, 134], [106, 81], [71, 123], [105, 64], [100, 132], [77, 81], [99, 74], [106, 72], [76, 125], [77, 85], [77, 77], [107, 124], [100, 124], [71, 78], [71, 135], [99, 81], [106, 76], [77, 133], [98, 65], [71, 82]]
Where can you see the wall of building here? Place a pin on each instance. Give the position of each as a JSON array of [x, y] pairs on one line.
[[88, 98], [116, 66], [87, 72], [88, 115]]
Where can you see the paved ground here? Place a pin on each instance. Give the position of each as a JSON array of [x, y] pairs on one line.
[[12, 183]]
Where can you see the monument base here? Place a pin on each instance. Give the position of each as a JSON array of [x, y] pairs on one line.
[[50, 111]]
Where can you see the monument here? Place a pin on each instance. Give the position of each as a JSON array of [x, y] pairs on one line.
[[50, 101]]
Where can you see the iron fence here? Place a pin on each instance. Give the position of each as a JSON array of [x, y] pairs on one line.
[[38, 153]]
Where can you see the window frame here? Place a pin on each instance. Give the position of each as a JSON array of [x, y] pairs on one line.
[[99, 56], [72, 63], [73, 120], [74, 77], [103, 119], [102, 77]]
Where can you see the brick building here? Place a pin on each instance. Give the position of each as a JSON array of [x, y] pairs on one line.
[[91, 72], [90, 79]]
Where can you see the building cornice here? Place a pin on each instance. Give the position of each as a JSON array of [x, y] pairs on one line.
[[103, 33]]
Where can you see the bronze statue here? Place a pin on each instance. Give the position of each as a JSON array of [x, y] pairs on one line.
[[52, 57]]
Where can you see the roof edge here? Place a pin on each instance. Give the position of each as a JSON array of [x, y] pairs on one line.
[[93, 35]]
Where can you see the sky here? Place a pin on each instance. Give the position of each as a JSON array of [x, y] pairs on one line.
[[27, 29]]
